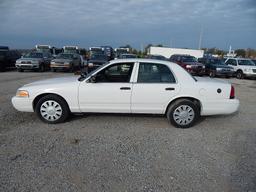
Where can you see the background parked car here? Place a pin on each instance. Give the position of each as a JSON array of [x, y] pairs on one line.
[[95, 61], [216, 67], [8, 58], [189, 63], [127, 56], [66, 61], [243, 67], [36, 61], [158, 57]]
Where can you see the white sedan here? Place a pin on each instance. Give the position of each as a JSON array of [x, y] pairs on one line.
[[129, 86]]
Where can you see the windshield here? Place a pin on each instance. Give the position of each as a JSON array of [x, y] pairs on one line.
[[189, 59], [99, 57], [64, 56], [245, 62], [33, 55], [254, 61], [217, 62]]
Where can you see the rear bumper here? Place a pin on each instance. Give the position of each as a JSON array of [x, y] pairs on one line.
[[223, 107], [22, 104]]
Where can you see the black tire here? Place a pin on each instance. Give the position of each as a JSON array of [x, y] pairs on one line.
[[212, 74], [182, 103], [239, 74], [41, 68], [20, 70], [71, 68], [62, 104]]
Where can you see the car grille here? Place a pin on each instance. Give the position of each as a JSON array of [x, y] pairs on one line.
[[254, 70], [25, 62], [27, 67], [225, 69]]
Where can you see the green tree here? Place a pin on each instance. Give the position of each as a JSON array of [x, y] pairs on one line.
[[240, 52]]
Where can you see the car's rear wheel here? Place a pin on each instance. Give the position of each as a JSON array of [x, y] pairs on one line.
[[42, 68], [52, 109], [183, 113]]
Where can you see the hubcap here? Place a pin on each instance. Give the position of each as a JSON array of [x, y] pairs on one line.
[[51, 110], [183, 115]]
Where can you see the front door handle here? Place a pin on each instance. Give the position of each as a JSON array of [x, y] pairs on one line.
[[169, 88], [125, 88]]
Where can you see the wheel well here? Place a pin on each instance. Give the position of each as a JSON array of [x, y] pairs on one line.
[[35, 101], [239, 70], [194, 100]]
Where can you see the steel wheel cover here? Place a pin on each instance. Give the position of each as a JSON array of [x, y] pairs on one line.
[[51, 110], [183, 115]]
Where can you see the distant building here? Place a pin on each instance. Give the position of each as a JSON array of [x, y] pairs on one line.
[[168, 52]]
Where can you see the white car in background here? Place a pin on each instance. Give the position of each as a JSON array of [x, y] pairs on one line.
[[129, 86], [242, 67]]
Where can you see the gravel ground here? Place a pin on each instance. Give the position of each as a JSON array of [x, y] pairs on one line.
[[125, 153]]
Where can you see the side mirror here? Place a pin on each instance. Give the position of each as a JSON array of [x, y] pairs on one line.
[[93, 79]]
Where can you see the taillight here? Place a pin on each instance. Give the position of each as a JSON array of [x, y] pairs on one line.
[[232, 92]]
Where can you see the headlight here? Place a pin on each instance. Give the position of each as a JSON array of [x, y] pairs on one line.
[[22, 93], [203, 66], [90, 64], [66, 63], [18, 62], [188, 66], [218, 69], [52, 62], [247, 70]]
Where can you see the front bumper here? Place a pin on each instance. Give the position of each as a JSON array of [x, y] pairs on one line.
[[60, 66], [196, 71], [27, 66], [224, 73], [22, 104]]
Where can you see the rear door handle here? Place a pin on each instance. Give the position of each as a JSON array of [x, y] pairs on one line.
[[125, 88], [169, 88]]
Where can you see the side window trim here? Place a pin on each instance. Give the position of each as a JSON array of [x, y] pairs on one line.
[[137, 74], [111, 65]]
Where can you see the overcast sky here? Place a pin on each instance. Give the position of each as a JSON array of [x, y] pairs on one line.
[[85, 23]]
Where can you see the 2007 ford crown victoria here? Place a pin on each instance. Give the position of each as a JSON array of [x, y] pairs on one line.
[[129, 86]]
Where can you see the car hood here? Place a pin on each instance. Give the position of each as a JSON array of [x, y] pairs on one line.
[[54, 82], [62, 60], [194, 63], [30, 59]]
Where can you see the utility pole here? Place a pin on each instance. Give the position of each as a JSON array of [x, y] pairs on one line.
[[200, 38]]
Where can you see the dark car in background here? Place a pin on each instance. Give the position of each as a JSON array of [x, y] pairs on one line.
[[36, 61], [127, 56], [189, 63], [157, 57], [254, 61], [216, 67], [8, 58], [66, 61], [95, 61]]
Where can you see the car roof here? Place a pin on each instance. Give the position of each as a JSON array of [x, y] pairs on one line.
[[144, 60]]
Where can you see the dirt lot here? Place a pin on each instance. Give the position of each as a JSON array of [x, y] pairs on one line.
[[125, 153]]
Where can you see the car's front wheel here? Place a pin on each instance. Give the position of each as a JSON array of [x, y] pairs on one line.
[[52, 109], [239, 75], [183, 113]]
